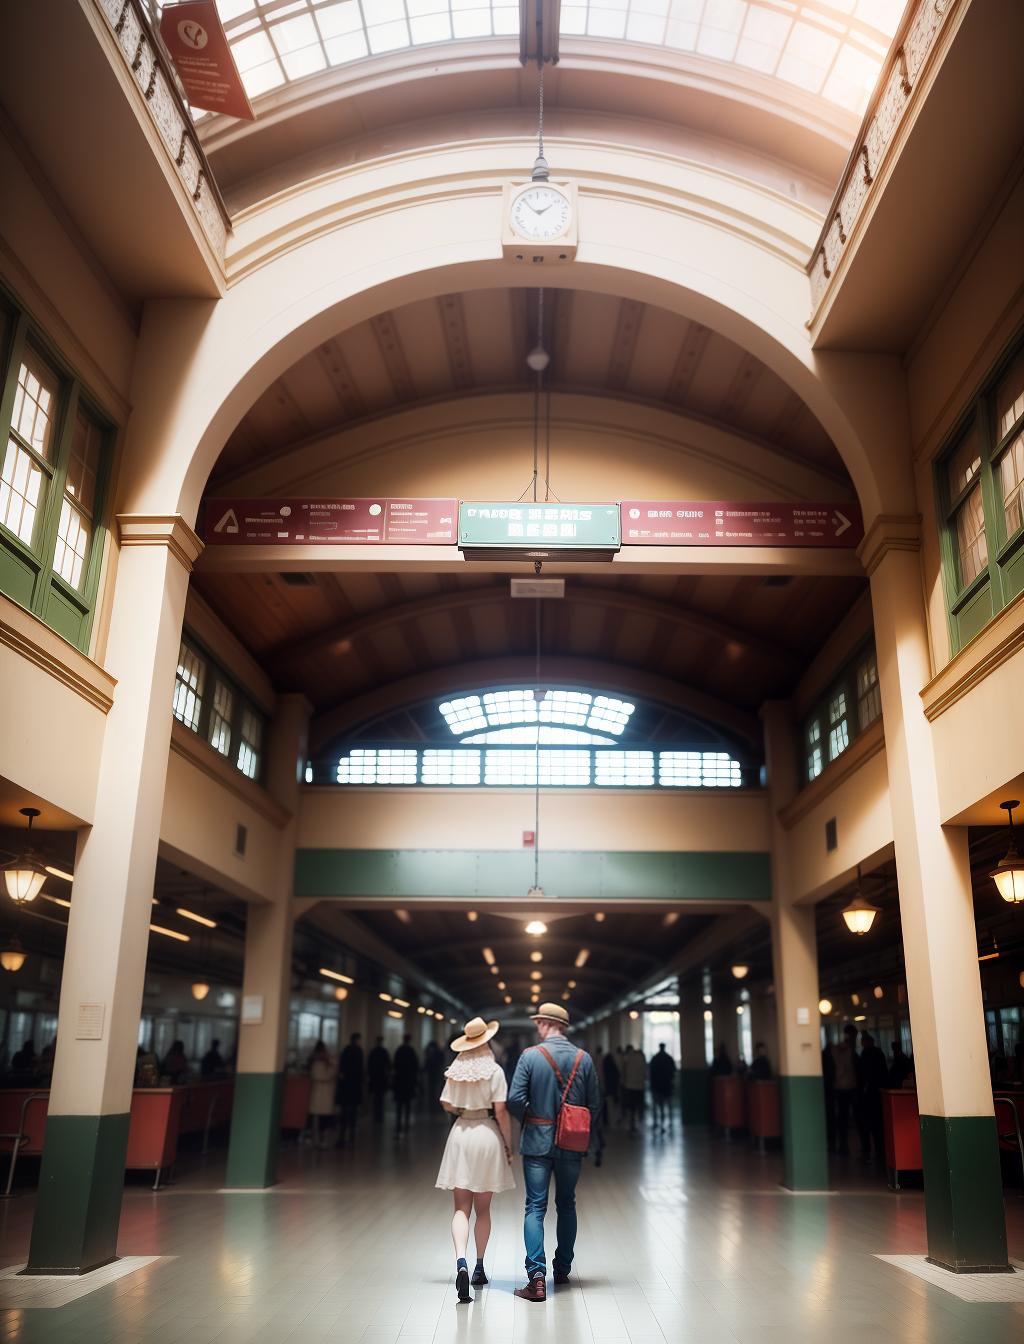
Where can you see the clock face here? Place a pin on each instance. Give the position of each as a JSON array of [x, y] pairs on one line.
[[540, 213]]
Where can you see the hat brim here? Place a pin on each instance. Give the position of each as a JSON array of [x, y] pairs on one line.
[[547, 1017], [470, 1043]]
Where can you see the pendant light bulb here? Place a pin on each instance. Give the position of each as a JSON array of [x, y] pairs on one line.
[[538, 359]]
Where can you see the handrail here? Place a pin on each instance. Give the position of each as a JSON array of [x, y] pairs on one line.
[[19, 1138], [1016, 1135]]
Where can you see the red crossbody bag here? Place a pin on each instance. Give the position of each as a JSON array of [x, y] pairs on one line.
[[572, 1127]]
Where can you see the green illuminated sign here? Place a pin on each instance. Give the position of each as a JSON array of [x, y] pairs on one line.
[[528, 526]]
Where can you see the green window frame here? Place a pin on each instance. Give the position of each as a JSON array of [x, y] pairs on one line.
[[851, 703], [979, 484], [211, 704], [56, 451]]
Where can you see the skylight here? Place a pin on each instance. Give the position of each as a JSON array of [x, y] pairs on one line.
[[499, 709], [833, 48]]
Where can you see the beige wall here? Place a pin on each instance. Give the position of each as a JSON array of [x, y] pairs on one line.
[[574, 820]]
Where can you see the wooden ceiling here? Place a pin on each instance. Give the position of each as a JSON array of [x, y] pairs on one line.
[[477, 341]]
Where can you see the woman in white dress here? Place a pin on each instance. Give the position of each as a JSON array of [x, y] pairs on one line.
[[477, 1161]]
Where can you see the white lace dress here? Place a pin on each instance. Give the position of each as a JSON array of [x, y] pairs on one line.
[[474, 1156]]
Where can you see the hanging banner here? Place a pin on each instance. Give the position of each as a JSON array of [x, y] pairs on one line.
[[698, 522], [195, 39], [329, 522], [522, 525]]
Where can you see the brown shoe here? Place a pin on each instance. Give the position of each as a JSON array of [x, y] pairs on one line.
[[535, 1290]]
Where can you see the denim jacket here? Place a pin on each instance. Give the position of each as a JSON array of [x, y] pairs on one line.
[[535, 1094]]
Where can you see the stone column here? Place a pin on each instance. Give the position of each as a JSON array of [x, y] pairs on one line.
[[795, 970], [82, 1175], [694, 1085], [963, 1189], [267, 978]]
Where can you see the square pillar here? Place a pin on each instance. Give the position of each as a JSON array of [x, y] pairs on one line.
[[962, 1181], [795, 969], [81, 1179], [267, 978], [694, 1080]]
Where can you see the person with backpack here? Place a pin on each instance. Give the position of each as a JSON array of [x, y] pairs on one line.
[[556, 1098]]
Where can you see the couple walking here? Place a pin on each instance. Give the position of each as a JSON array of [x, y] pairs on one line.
[[552, 1090]]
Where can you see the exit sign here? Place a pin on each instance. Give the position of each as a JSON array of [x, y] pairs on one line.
[[528, 528]]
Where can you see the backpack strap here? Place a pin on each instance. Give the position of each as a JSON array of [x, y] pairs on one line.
[[576, 1063]]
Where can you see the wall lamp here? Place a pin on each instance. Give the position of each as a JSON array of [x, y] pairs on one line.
[[1008, 874], [25, 875]]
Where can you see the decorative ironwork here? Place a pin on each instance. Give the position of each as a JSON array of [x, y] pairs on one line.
[[137, 58], [868, 178], [181, 149], [119, 26], [199, 185], [824, 262], [842, 231], [901, 57]]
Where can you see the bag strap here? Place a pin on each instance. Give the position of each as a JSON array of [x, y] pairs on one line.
[[572, 1075]]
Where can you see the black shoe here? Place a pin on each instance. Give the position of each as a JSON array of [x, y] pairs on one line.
[[479, 1277], [561, 1276], [462, 1285]]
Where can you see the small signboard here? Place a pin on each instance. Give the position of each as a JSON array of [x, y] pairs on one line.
[[330, 522], [89, 1026], [690, 522], [195, 39], [529, 526]]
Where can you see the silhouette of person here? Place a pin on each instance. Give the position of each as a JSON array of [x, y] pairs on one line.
[[662, 1075], [406, 1072], [378, 1073], [349, 1091]]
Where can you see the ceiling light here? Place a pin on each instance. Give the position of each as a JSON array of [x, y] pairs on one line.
[[860, 1018], [707, 998], [566, 996], [707, 1015], [878, 992], [536, 928], [170, 933], [340, 993], [420, 1009], [824, 1007], [57, 900], [25, 875], [393, 1012], [403, 916], [740, 971], [452, 1021], [336, 975], [199, 919], [670, 918], [385, 998], [536, 956], [401, 1003], [488, 955], [535, 975], [571, 984], [1008, 874], [739, 1008], [502, 985], [59, 872], [633, 1014], [859, 915], [472, 916], [12, 958], [508, 998], [200, 989], [599, 917], [581, 958], [855, 1000], [495, 970]]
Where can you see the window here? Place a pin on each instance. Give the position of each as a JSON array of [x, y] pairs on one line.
[[446, 766], [980, 482], [624, 769], [698, 769], [223, 717], [849, 705], [869, 699], [814, 757], [601, 714], [52, 479], [384, 766], [838, 728]]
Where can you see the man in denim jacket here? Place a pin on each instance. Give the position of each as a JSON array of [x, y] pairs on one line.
[[534, 1098]]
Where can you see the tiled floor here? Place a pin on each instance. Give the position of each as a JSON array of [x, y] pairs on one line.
[[679, 1241]]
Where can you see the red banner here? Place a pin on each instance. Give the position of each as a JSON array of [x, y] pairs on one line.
[[699, 522], [194, 36], [330, 522]]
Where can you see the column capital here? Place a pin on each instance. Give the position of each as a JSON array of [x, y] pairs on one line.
[[889, 532], [154, 529]]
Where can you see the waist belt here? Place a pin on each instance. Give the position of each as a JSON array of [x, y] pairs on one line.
[[537, 1120], [474, 1115]]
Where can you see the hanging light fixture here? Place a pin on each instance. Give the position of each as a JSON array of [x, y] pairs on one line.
[[824, 1007], [536, 928], [25, 875], [859, 914], [740, 972], [12, 958], [1008, 874], [200, 989]]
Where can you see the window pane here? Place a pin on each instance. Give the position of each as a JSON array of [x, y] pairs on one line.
[[248, 760], [188, 687], [372, 766], [72, 543], [557, 768], [971, 542], [624, 769], [839, 732], [35, 404], [21, 490], [964, 465], [1010, 397], [220, 718], [869, 700], [698, 769], [1011, 481], [86, 443], [451, 767]]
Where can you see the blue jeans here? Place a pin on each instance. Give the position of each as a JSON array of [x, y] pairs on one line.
[[537, 1172]]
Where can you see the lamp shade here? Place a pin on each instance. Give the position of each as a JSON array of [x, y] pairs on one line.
[[12, 958], [740, 971], [824, 1007], [24, 879], [1008, 875], [860, 915], [200, 989]]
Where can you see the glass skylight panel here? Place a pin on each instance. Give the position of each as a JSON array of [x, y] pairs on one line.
[[378, 766], [464, 715], [832, 48], [450, 766], [525, 735], [698, 770], [510, 707], [517, 768], [610, 715], [624, 769], [566, 707]]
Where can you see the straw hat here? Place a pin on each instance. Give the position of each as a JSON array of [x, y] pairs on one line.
[[476, 1032], [552, 1012]]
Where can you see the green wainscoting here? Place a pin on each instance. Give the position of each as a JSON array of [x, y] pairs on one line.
[[81, 1181], [255, 1115], [619, 875], [695, 1096], [804, 1142], [963, 1194]]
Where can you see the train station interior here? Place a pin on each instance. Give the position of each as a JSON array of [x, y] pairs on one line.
[[511, 503]]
